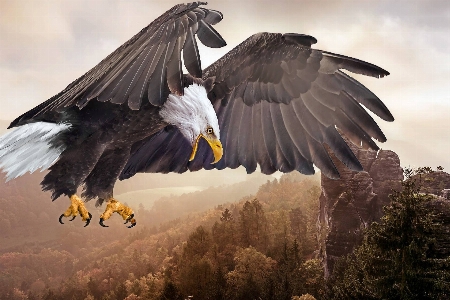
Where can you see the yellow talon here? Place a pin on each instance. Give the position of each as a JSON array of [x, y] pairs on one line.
[[76, 206], [115, 206]]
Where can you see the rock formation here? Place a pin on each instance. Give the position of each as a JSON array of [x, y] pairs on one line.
[[351, 203], [438, 183], [440, 208]]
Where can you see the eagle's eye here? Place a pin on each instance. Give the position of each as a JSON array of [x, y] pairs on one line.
[[209, 130]]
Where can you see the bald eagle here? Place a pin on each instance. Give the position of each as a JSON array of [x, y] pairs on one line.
[[272, 101]]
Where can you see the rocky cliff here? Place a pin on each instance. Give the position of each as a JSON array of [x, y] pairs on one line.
[[441, 210], [434, 183], [351, 203]]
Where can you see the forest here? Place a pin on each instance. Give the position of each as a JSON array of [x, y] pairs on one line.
[[263, 246]]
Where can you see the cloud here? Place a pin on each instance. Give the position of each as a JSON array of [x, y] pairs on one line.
[[422, 139], [27, 26]]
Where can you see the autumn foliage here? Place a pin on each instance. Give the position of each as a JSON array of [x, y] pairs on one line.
[[261, 246]]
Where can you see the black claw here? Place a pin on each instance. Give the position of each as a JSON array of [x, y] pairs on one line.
[[132, 225], [88, 220], [72, 218], [60, 219], [129, 219], [101, 223]]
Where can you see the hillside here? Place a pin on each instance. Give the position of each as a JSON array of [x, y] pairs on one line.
[[186, 195], [203, 179], [116, 262], [148, 197]]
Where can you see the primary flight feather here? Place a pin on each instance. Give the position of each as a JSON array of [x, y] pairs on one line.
[[272, 101]]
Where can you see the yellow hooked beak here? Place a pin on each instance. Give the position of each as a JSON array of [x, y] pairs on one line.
[[215, 144]]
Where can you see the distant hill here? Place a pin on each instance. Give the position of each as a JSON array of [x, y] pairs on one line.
[[202, 178], [149, 196], [192, 198], [173, 207]]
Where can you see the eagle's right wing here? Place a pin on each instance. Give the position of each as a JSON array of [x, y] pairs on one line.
[[278, 102]]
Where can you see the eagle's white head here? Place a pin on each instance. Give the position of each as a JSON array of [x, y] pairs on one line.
[[194, 115]]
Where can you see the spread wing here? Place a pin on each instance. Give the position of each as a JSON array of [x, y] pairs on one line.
[[278, 103], [147, 67]]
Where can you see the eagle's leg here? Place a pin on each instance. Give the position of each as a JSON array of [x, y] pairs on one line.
[[113, 206], [100, 183], [76, 206], [71, 169]]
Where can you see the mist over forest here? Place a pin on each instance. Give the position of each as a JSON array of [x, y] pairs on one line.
[[249, 237], [42, 259]]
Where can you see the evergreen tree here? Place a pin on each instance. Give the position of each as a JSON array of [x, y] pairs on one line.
[[170, 292], [251, 276], [196, 274], [226, 216], [253, 225]]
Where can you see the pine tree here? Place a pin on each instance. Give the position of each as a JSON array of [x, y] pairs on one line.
[[253, 225], [227, 216], [170, 292]]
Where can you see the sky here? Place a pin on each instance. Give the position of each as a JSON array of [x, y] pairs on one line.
[[46, 44]]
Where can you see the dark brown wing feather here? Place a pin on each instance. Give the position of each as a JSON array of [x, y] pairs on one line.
[[278, 103], [301, 96], [146, 67]]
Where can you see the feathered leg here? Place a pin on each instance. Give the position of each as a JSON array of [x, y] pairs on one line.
[[100, 183], [68, 173]]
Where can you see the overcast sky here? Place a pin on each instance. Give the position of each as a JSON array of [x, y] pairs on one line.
[[45, 45]]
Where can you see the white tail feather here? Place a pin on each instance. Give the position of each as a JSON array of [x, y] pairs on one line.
[[27, 148]]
